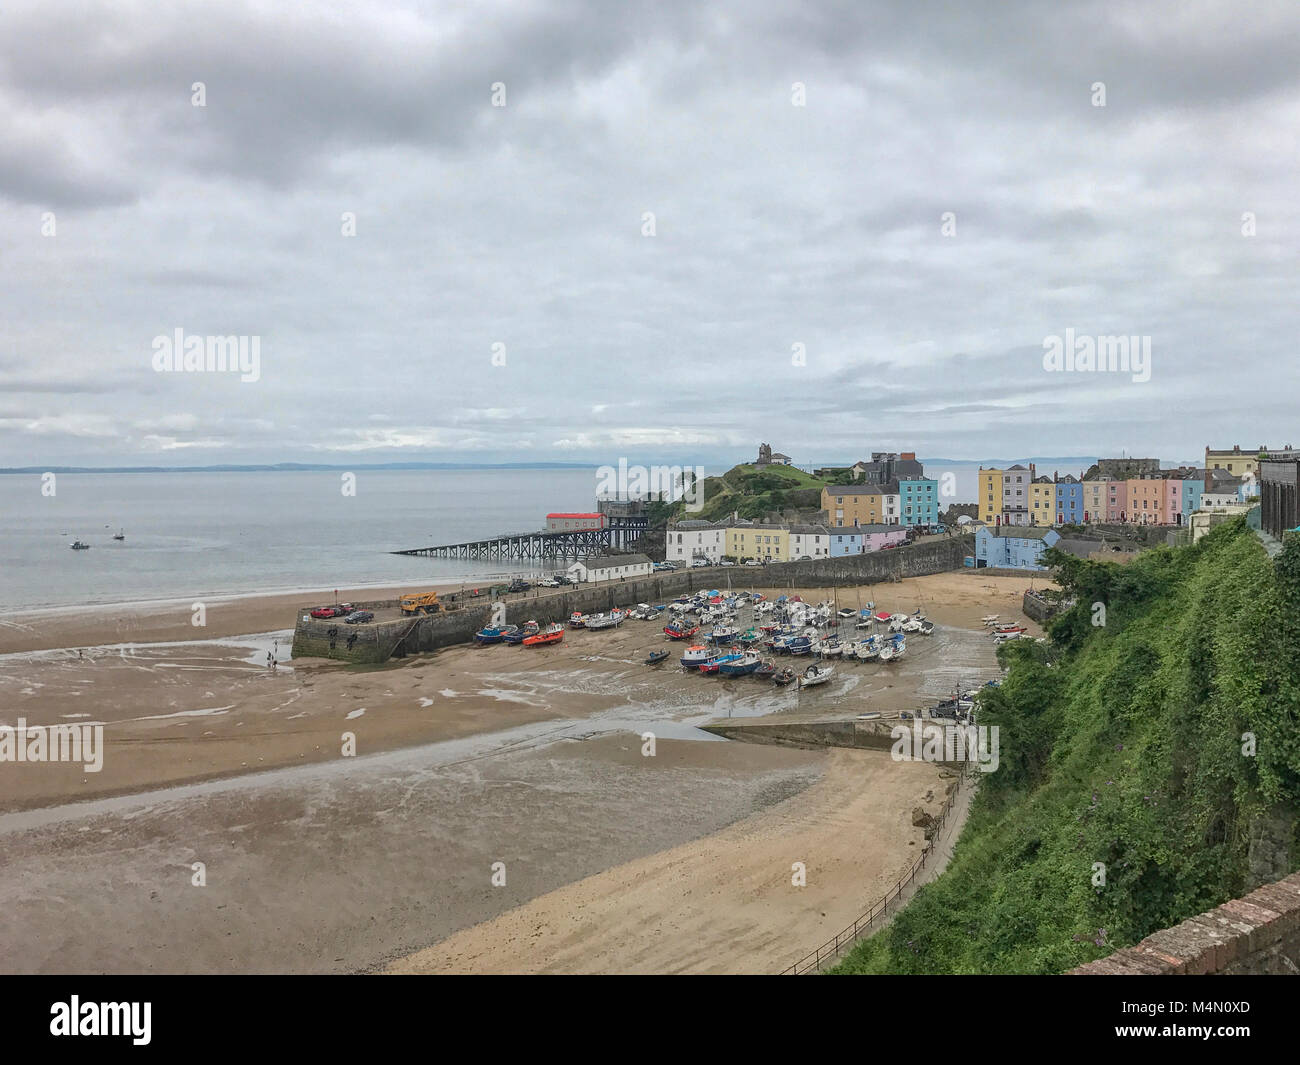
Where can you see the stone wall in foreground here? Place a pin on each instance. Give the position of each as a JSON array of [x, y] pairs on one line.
[[1258, 934]]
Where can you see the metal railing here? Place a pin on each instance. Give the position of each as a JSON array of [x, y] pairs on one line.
[[832, 948]]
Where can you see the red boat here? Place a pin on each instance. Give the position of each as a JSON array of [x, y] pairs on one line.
[[674, 633], [1009, 628], [554, 634]]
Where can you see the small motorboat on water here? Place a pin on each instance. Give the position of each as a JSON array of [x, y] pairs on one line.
[[77, 545], [816, 674], [655, 657], [120, 535], [552, 634]]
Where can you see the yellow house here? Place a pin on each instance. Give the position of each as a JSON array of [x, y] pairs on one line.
[[767, 543], [990, 496], [1042, 502], [1236, 461], [846, 504]]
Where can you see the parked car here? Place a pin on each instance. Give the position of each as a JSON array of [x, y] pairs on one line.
[[518, 585], [753, 562], [726, 563], [700, 562], [323, 612], [560, 578], [358, 617]]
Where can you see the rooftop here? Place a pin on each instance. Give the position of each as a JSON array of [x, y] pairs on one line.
[[612, 561]]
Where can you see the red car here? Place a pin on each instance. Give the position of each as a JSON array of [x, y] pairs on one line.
[[332, 611]]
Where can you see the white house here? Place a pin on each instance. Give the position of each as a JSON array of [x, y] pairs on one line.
[[890, 502], [692, 539], [609, 567], [812, 541]]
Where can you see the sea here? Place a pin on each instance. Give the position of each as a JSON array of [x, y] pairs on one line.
[[212, 533], [191, 535]]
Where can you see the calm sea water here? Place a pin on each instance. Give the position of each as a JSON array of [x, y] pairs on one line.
[[236, 533]]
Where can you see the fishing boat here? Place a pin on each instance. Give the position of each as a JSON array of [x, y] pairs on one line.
[[577, 620], [724, 634], [816, 674], [800, 645], [715, 664], [531, 628], [747, 664], [605, 621], [696, 656], [77, 545], [765, 670], [783, 676], [750, 637], [552, 634], [655, 657], [678, 631], [494, 633]]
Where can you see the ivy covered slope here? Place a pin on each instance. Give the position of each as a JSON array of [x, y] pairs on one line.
[[1122, 744]]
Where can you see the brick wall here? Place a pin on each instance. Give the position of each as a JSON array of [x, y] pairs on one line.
[[1255, 935]]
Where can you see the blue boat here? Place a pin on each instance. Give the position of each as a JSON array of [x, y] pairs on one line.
[[714, 665], [743, 667], [800, 645], [494, 633]]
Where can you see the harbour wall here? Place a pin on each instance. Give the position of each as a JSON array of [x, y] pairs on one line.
[[378, 642]]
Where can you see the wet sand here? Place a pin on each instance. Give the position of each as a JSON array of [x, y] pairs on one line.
[[467, 756]]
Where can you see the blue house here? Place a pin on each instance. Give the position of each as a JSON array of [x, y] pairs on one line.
[[1013, 546], [845, 542], [1069, 500], [918, 501], [1193, 488]]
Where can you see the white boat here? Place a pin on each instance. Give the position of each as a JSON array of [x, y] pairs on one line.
[[990, 619], [886, 651], [816, 674], [913, 625], [867, 650], [927, 628], [605, 621]]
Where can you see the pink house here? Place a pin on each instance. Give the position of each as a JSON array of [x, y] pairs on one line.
[[877, 537]]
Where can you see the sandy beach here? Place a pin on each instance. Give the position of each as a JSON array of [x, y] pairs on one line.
[[463, 757]]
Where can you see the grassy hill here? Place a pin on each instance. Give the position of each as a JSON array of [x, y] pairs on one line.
[[753, 492], [1127, 744]]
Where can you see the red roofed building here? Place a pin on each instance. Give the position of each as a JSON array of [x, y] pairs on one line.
[[570, 522]]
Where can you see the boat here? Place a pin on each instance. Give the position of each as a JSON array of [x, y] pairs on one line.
[[120, 535], [494, 633], [77, 545], [724, 634], [677, 631], [783, 676], [605, 621], [531, 628], [816, 674], [577, 620], [552, 634], [990, 619], [715, 664], [886, 652], [697, 655], [655, 657], [882, 616], [927, 628], [765, 670], [800, 645], [914, 624], [747, 664], [867, 650], [1003, 630]]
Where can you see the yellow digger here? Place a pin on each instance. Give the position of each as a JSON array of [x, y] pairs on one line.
[[421, 602]]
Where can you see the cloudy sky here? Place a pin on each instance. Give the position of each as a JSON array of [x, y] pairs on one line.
[[795, 285]]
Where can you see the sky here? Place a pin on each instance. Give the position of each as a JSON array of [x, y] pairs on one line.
[[580, 231]]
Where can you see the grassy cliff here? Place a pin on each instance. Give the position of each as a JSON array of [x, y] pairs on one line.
[[1156, 744], [753, 493]]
